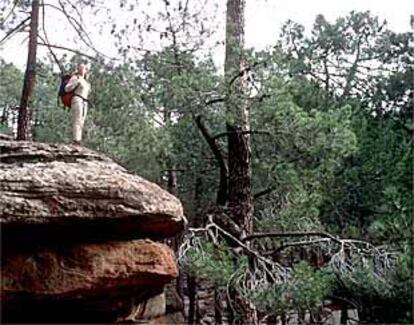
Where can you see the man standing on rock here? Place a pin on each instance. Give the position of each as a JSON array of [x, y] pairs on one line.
[[79, 105]]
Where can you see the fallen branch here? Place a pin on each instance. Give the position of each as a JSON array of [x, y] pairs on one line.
[[295, 244], [291, 234], [266, 272], [212, 225]]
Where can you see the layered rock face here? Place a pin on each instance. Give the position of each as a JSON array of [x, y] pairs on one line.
[[78, 236]]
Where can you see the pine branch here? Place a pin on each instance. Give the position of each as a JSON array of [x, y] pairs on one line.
[[264, 192], [214, 146], [244, 71], [242, 132]]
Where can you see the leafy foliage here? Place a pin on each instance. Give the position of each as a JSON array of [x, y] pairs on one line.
[[305, 290], [214, 262], [383, 295]]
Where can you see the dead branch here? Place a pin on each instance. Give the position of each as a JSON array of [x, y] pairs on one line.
[[267, 273], [69, 50], [295, 244], [46, 39], [78, 27], [215, 100], [290, 234], [10, 13], [14, 30]]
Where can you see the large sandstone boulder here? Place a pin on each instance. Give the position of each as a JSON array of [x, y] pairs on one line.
[[87, 269], [51, 190], [77, 237], [87, 282]]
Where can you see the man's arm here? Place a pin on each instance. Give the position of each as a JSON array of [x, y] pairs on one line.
[[72, 83]]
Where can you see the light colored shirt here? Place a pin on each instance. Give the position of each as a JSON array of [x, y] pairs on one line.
[[81, 86]]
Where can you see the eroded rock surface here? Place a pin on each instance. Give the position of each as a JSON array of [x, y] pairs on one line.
[[88, 269], [61, 185], [78, 235]]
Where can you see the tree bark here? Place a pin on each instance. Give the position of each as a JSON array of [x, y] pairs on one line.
[[240, 203], [25, 109], [344, 314], [192, 285], [239, 151], [192, 299]]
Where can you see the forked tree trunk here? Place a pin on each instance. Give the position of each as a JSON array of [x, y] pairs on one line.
[[25, 108]]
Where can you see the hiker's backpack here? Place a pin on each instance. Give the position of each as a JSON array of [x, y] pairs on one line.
[[65, 96]]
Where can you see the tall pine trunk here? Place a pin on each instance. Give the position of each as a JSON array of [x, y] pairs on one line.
[[238, 139], [25, 109], [239, 151]]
